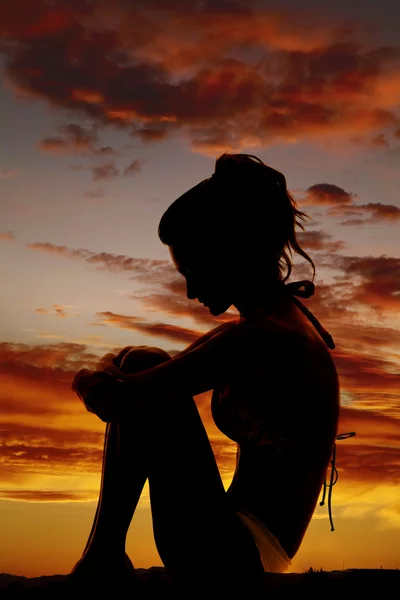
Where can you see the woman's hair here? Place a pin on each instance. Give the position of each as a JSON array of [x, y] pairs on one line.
[[244, 204]]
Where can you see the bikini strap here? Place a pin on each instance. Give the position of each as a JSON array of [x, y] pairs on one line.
[[309, 288], [308, 291], [334, 476]]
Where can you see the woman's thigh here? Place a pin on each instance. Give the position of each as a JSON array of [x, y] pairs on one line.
[[195, 526]]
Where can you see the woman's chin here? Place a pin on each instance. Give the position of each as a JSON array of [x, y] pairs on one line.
[[217, 309]]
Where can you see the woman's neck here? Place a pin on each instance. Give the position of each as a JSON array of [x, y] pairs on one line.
[[272, 299]]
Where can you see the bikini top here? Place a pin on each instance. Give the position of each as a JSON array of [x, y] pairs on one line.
[[309, 289]]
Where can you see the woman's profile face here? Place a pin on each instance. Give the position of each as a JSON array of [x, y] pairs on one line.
[[206, 277]]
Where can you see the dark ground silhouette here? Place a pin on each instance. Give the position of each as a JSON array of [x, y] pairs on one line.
[[155, 583]]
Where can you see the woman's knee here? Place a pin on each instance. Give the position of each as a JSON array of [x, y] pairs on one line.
[[138, 358]]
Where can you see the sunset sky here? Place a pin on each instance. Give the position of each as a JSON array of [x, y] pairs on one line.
[[108, 112]]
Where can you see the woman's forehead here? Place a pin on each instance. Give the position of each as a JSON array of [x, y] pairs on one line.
[[187, 256]]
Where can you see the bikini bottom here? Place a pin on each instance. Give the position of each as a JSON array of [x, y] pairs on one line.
[[273, 556]]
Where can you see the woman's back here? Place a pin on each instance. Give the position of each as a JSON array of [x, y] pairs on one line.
[[284, 416]]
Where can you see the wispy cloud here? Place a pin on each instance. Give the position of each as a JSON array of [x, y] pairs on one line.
[[342, 203], [106, 171], [74, 139], [7, 235], [57, 310], [133, 168], [8, 173]]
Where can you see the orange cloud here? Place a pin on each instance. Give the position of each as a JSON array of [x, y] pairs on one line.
[[58, 310], [47, 496], [7, 235]]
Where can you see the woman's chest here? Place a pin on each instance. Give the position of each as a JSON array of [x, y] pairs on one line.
[[278, 396]]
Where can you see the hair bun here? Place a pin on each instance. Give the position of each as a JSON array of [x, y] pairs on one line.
[[242, 167]]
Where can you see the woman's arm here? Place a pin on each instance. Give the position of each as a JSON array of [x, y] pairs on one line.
[[223, 356], [209, 334]]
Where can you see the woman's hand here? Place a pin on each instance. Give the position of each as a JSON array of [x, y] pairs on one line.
[[100, 392]]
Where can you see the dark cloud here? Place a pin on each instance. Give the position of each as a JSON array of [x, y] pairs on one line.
[[107, 171], [94, 194], [341, 203], [145, 269], [155, 71], [380, 141], [319, 241], [8, 173], [328, 194], [362, 372], [74, 139], [27, 450], [50, 459], [371, 281], [376, 280], [368, 463], [133, 168], [377, 212]]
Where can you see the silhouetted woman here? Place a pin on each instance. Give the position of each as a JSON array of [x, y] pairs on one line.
[[275, 393]]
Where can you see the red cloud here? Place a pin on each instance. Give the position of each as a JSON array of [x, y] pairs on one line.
[[327, 193], [319, 241], [380, 141], [380, 212], [114, 63], [341, 203], [376, 280]]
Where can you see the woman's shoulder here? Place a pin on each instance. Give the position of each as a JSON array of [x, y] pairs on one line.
[[209, 334]]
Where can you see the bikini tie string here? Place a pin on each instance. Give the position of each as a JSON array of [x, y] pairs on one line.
[[309, 288], [334, 476]]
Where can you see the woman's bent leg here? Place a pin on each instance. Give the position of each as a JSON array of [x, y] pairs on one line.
[[200, 539], [124, 473], [111, 445]]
